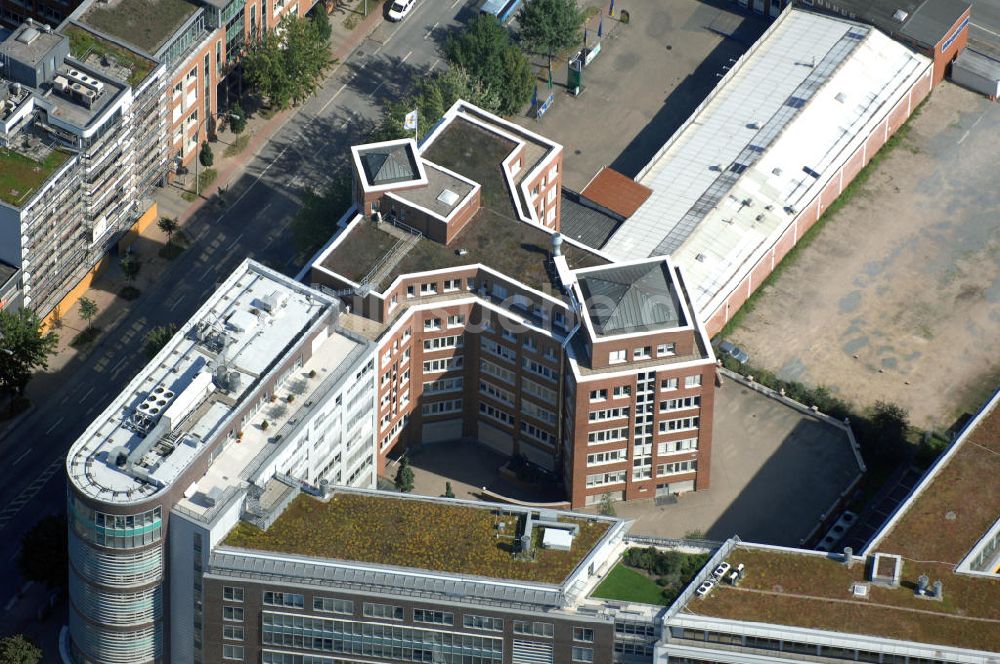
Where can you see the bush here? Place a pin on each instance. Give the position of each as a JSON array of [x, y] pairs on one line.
[[290, 398], [206, 156], [237, 118], [264, 425], [404, 476]]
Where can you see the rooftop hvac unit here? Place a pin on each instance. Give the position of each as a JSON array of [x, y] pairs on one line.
[[86, 80]]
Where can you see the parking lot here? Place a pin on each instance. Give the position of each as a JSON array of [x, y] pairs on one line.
[[898, 297], [648, 78]]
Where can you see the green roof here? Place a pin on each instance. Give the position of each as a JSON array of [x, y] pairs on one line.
[[147, 24], [20, 176], [83, 43]]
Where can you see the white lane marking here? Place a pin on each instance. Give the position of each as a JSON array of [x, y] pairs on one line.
[[210, 269], [87, 394], [431, 31], [16, 554], [64, 400], [406, 57], [118, 364], [21, 458], [240, 237], [964, 136], [433, 65], [455, 4], [54, 425], [177, 301]]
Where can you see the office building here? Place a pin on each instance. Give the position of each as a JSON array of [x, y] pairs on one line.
[[490, 327]]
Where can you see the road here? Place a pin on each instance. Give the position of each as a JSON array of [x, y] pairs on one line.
[[265, 198]]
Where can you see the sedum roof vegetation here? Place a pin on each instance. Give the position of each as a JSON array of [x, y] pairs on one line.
[[423, 534], [20, 175], [942, 525], [83, 43], [144, 23]]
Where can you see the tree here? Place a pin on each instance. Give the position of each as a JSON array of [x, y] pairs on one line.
[[19, 650], [157, 338], [322, 21], [889, 426], [607, 505], [448, 493], [238, 118], [486, 52], [404, 476], [130, 267], [23, 348], [287, 64], [206, 156], [43, 552], [168, 226], [550, 26], [88, 310]]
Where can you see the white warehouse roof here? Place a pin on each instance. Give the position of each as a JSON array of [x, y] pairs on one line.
[[786, 117]]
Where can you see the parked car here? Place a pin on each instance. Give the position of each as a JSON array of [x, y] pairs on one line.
[[733, 351], [400, 8]]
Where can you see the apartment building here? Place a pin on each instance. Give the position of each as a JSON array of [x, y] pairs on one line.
[[492, 327], [260, 392], [81, 143]]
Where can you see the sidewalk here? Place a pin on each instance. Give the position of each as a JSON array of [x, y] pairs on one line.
[[109, 281]]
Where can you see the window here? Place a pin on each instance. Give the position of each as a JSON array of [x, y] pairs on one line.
[[232, 652], [532, 388], [672, 446], [333, 605], [386, 611], [432, 324], [611, 456], [456, 320], [536, 433], [437, 343], [232, 632], [442, 385], [692, 381], [498, 350], [676, 467], [537, 412], [290, 600], [583, 654], [496, 371], [444, 364], [451, 285], [668, 384], [232, 613], [598, 395], [538, 368], [641, 353], [534, 628], [409, 291], [530, 344], [231, 594], [607, 436], [623, 391], [666, 349], [679, 404], [441, 407], [428, 289], [608, 414], [602, 479], [679, 424], [583, 634], [550, 216], [433, 617], [496, 414], [501, 395], [616, 356], [485, 623]]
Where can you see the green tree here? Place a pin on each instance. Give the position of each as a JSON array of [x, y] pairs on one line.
[[286, 65], [130, 267], [404, 476], [24, 347], [322, 21], [43, 552], [19, 650], [486, 52], [206, 156], [889, 426], [607, 506], [448, 493], [157, 338], [88, 310], [316, 220], [168, 226], [237, 118], [550, 26]]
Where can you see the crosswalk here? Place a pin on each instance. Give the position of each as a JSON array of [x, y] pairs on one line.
[[15, 506]]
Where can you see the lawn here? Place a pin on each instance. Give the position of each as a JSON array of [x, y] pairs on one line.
[[145, 23], [629, 586], [82, 43], [405, 532], [19, 175]]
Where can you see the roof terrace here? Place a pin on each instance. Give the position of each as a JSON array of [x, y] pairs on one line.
[[106, 56], [423, 533], [185, 398], [948, 515]]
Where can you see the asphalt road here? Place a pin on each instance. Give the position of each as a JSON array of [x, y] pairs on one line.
[[262, 203]]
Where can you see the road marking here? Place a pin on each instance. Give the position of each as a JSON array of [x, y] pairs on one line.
[[237, 240], [208, 270], [31, 491], [455, 4], [377, 87], [433, 65], [406, 57], [64, 400], [431, 31], [964, 136], [16, 554], [21, 458], [86, 394], [10, 603], [178, 301], [118, 364]]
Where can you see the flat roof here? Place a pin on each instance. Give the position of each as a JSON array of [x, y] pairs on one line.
[[7, 272], [23, 172], [186, 396], [733, 177], [30, 44], [393, 530], [146, 24], [443, 192], [584, 222], [926, 21], [106, 56], [946, 516]]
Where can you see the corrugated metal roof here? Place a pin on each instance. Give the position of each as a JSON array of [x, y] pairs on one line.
[[763, 145], [583, 223], [631, 298]]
